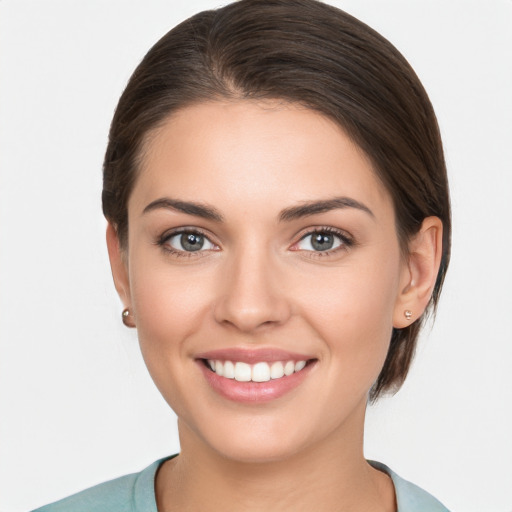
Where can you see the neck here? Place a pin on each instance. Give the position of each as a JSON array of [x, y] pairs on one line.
[[331, 475]]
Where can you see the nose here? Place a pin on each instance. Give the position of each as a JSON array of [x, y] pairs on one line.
[[253, 295]]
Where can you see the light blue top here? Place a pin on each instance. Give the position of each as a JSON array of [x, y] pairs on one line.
[[136, 493]]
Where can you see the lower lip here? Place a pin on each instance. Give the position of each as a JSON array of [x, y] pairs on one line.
[[254, 392]]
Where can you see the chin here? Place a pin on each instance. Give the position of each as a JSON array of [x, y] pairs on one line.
[[250, 440], [262, 452]]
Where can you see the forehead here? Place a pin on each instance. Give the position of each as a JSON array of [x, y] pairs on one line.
[[257, 153]]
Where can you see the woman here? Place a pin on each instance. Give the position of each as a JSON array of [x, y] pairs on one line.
[[279, 227]]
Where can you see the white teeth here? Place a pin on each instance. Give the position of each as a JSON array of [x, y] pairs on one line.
[[229, 370], [299, 365], [289, 368], [277, 370], [242, 372], [259, 372]]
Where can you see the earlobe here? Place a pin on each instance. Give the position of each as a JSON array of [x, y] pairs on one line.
[[419, 277], [119, 266]]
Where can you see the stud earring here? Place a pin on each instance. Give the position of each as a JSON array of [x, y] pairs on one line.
[[408, 314], [127, 318]]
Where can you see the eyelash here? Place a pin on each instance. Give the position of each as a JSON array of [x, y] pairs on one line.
[[165, 237], [346, 242]]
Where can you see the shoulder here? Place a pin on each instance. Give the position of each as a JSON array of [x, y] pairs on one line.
[[410, 497], [129, 493]]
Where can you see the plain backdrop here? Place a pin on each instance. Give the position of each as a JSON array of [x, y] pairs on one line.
[[77, 406]]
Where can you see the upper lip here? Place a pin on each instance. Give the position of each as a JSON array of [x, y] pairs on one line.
[[252, 356]]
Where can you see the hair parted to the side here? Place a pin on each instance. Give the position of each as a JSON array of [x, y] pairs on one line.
[[313, 54]]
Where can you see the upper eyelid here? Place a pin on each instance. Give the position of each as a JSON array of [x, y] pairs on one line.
[[343, 234], [163, 239], [178, 231], [347, 241], [163, 243]]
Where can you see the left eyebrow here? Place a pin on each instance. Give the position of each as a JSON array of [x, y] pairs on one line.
[[314, 207]]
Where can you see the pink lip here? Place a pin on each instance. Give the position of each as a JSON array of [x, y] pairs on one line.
[[252, 356], [253, 392]]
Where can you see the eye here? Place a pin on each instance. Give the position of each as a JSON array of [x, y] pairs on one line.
[[322, 240], [187, 241]]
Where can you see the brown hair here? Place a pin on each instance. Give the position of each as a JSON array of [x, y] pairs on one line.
[[310, 53]]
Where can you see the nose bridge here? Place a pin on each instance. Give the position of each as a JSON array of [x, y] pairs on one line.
[[251, 292]]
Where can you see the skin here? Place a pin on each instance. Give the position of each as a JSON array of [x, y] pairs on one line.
[[260, 283]]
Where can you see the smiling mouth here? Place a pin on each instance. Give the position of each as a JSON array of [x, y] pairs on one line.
[[258, 372]]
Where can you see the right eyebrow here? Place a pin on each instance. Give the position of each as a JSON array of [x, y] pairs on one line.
[[188, 207]]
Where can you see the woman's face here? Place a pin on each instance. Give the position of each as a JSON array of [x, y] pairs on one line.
[[260, 239]]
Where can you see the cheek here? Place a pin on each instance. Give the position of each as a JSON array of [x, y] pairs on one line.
[[169, 305], [353, 313]]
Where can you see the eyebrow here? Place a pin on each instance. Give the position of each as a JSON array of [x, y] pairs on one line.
[[189, 207], [288, 214], [314, 207]]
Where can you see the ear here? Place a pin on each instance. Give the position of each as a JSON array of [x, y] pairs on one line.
[[420, 273], [119, 266]]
